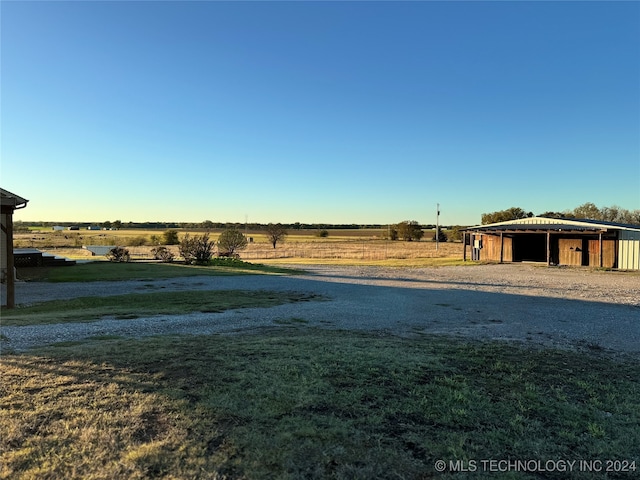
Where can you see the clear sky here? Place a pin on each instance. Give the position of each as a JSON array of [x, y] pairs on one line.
[[318, 112]]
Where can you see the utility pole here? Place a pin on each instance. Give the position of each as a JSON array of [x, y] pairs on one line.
[[437, 225]]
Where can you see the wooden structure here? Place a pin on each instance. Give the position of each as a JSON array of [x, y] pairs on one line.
[[556, 242], [9, 202]]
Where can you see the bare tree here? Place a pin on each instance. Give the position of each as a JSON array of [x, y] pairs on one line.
[[276, 233]]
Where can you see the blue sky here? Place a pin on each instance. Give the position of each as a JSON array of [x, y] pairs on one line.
[[318, 112]]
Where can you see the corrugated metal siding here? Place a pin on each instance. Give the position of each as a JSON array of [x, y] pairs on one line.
[[629, 250]]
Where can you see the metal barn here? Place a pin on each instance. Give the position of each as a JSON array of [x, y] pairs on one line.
[[556, 242]]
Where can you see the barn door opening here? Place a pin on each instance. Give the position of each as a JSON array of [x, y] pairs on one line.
[[531, 247]]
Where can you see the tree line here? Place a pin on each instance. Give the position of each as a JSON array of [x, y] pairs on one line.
[[586, 211]]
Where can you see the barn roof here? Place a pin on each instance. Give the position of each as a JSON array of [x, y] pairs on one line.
[[554, 224], [12, 200]]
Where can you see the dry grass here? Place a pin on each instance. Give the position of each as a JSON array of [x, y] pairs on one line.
[[342, 246]]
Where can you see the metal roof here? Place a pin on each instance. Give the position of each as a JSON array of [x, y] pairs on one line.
[[554, 224]]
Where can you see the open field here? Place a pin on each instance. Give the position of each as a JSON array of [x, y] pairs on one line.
[[342, 246]]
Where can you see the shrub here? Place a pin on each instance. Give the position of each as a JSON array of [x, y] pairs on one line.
[[442, 237], [322, 233], [137, 241], [163, 254], [454, 234], [230, 242], [170, 237], [118, 254], [196, 250]]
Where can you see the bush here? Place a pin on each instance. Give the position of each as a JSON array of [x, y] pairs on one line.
[[230, 242], [454, 234], [170, 237], [322, 233], [137, 241], [442, 237], [163, 254], [118, 254], [197, 250]]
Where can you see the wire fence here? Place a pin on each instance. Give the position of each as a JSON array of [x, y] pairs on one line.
[[356, 250]]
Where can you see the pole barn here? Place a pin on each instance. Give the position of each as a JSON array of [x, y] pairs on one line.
[[556, 241]]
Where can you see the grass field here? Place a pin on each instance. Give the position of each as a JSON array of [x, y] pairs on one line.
[[342, 246], [296, 403]]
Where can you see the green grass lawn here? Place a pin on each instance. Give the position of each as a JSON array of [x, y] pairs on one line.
[[108, 271], [293, 402], [134, 305]]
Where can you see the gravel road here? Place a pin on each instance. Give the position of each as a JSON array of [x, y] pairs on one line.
[[559, 307]]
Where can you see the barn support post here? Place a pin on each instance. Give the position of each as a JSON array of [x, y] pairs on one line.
[[464, 246], [501, 247], [11, 279], [548, 248], [600, 247]]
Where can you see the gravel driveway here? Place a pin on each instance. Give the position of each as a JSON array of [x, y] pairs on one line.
[[561, 307]]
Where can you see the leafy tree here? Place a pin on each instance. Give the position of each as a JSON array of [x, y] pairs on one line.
[[454, 233], [196, 250], [208, 224], [170, 237], [106, 225], [513, 213], [230, 242], [409, 230], [391, 233], [588, 211], [276, 233], [117, 224], [556, 215]]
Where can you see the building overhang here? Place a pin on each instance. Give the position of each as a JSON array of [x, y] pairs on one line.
[[10, 201]]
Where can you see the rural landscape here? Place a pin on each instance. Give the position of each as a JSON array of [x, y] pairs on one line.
[[320, 240], [350, 353]]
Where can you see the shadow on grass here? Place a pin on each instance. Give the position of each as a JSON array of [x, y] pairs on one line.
[[299, 402]]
